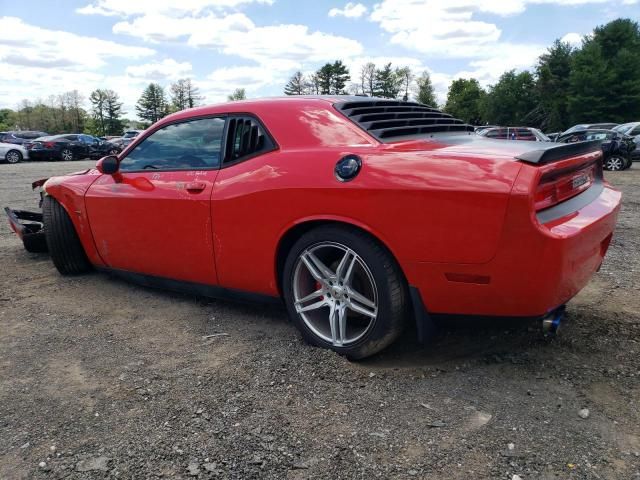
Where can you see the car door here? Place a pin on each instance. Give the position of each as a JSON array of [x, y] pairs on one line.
[[154, 216]]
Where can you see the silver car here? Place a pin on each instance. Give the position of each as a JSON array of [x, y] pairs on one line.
[[13, 153]]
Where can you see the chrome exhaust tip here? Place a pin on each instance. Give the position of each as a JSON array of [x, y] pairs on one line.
[[551, 322]]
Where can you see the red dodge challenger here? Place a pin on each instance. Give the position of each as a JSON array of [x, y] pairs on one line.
[[361, 213]]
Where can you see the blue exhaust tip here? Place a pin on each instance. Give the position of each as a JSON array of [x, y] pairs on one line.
[[551, 323]]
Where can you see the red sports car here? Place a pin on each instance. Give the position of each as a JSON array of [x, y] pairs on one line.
[[360, 213]]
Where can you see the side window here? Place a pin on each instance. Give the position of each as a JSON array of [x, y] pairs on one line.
[[194, 144], [635, 131], [245, 138], [73, 138], [86, 139]]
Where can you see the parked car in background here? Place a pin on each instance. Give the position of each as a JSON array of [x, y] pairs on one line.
[[616, 147], [514, 133], [587, 126], [129, 135], [553, 136], [13, 153], [70, 147], [21, 137], [632, 129], [356, 211]]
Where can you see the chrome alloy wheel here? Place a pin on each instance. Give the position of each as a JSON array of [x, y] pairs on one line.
[[335, 293], [614, 163], [67, 154]]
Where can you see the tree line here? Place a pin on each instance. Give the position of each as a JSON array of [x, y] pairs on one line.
[[385, 82]]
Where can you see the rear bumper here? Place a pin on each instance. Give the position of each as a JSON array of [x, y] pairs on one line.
[[29, 228], [538, 267]]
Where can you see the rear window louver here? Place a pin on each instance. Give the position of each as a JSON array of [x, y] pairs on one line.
[[388, 119]]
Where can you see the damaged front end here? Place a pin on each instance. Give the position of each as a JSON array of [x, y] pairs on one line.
[[29, 225]]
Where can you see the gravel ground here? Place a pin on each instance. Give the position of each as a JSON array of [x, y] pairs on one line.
[[100, 378]]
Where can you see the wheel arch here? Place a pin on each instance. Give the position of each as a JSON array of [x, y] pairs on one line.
[[290, 235]]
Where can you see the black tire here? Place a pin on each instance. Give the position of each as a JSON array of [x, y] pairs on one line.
[[62, 240], [114, 151], [391, 287], [13, 156], [66, 154]]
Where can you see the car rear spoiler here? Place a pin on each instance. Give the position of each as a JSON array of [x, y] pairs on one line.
[[560, 151]]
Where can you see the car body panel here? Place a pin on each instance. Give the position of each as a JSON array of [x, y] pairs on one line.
[[150, 222]]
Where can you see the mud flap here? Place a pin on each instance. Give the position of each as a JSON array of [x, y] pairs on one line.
[[425, 326]]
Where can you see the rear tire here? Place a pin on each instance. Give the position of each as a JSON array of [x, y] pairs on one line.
[[13, 156], [62, 240], [372, 294]]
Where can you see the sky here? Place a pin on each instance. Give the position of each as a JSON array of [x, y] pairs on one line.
[[48, 47]]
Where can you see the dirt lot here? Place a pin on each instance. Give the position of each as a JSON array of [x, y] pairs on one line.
[[100, 378]]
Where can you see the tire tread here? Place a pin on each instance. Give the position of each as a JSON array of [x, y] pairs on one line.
[[62, 240]]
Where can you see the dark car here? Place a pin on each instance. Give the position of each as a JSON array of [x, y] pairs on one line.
[[632, 129], [129, 135], [589, 126], [22, 137], [514, 133], [70, 147], [616, 147]]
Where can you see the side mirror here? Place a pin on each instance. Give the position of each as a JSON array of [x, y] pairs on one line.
[[108, 165]]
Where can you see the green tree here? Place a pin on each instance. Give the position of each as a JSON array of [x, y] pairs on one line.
[[465, 99], [387, 82], [98, 99], [426, 92], [113, 108], [511, 100], [238, 94], [152, 104], [552, 87], [297, 85], [605, 75], [332, 78]]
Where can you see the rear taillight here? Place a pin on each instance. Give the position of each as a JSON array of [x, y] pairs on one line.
[[556, 187], [49, 144]]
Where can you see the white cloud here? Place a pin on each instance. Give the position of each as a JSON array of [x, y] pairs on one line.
[[350, 10], [574, 39], [168, 69], [451, 28], [237, 35], [27, 45], [126, 8]]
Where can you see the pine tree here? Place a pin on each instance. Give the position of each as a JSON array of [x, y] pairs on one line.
[[98, 109], [113, 108], [297, 85], [332, 78], [426, 92], [387, 82], [152, 105]]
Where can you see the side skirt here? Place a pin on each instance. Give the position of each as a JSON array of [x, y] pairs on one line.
[[191, 288]]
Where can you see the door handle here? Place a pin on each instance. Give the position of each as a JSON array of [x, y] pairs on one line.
[[195, 187]]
